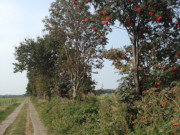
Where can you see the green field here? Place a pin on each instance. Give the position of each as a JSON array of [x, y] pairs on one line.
[[5, 102], [8, 105], [7, 111]]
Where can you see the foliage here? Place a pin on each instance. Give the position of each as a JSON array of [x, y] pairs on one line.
[[150, 74], [127, 96], [175, 83], [61, 61], [31, 87], [83, 48], [155, 113], [62, 116], [153, 29], [34, 56], [158, 111]]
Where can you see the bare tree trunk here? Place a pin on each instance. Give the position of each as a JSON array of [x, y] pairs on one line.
[[136, 64], [74, 92], [44, 96]]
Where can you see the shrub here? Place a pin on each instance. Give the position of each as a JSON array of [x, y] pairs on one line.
[[156, 112], [62, 116]]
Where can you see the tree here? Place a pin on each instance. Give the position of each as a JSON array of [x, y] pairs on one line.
[[35, 57], [83, 47], [31, 87], [152, 26]]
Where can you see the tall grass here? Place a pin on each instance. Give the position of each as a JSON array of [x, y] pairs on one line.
[[156, 113]]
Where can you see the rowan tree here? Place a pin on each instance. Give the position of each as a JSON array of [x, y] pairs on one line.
[[83, 46], [153, 29]]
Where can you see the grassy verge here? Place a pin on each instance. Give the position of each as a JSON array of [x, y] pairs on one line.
[[62, 116], [7, 111], [155, 113], [22, 124]]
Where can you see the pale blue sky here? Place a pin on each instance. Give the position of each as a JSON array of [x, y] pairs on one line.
[[20, 19]]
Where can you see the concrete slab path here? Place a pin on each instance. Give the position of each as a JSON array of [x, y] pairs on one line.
[[38, 126], [10, 119]]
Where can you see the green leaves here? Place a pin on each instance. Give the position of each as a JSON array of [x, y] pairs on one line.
[[34, 57]]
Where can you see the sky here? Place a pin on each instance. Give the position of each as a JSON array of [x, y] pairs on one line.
[[20, 19]]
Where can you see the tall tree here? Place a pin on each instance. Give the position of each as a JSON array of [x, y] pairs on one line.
[[35, 57], [150, 24], [83, 47], [31, 87]]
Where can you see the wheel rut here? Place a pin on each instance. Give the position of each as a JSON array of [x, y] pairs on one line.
[[38, 126]]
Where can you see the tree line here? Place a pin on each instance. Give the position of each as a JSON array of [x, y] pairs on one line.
[[62, 60]]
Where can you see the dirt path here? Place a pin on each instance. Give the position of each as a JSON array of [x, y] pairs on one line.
[[10, 119], [39, 128]]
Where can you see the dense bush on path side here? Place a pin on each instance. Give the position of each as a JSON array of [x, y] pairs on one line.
[[156, 113]]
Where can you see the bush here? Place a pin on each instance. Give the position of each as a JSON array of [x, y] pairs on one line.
[[158, 111], [62, 116], [154, 113], [113, 117]]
